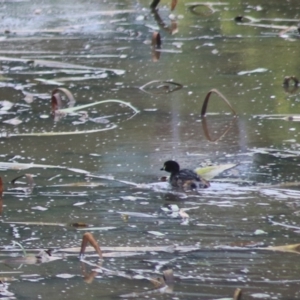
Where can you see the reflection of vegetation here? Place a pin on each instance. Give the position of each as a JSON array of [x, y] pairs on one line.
[[223, 133], [171, 29], [205, 8], [159, 87]]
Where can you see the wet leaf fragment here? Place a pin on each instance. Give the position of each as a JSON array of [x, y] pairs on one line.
[[164, 283], [207, 98], [159, 87], [89, 238], [156, 40], [237, 294], [57, 101], [287, 79], [30, 183], [173, 4], [210, 172], [168, 276], [84, 106], [158, 282], [166, 279], [294, 248]]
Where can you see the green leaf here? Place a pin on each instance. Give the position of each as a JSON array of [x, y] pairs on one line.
[[212, 171]]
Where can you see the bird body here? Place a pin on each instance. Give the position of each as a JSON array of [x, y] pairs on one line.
[[185, 178]]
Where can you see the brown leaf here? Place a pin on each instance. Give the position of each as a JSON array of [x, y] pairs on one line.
[[79, 224], [168, 276], [89, 238], [56, 99], [287, 80], [156, 40], [56, 102], [237, 294], [173, 4], [158, 282], [205, 103]]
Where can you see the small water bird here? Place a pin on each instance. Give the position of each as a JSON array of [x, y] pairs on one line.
[[185, 178]]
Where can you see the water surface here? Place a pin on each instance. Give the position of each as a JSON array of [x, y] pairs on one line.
[[201, 49]]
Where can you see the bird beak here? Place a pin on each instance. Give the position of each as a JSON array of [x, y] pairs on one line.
[[162, 168]]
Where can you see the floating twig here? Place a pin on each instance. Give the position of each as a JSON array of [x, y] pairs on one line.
[[89, 238]]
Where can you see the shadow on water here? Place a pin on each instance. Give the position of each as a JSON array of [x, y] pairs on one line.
[[104, 170]]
